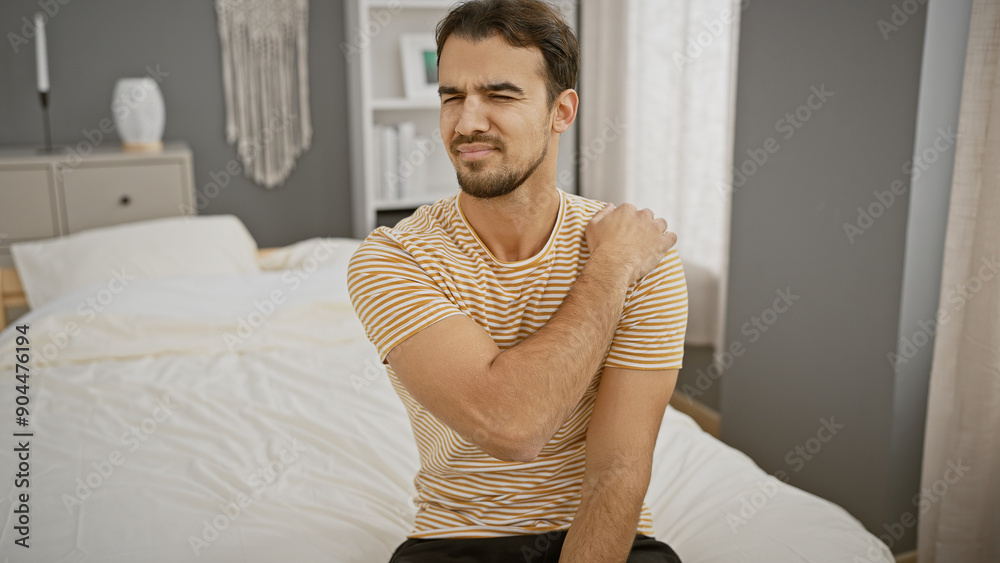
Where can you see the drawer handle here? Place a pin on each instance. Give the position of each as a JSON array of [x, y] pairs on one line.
[[125, 200]]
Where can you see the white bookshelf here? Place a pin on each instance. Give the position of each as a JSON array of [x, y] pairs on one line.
[[403, 104], [376, 97]]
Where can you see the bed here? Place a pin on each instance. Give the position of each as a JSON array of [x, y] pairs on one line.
[[245, 417]]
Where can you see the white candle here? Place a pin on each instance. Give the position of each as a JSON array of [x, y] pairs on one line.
[[41, 54]]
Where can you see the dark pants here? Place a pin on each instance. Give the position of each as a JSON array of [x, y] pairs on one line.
[[534, 548]]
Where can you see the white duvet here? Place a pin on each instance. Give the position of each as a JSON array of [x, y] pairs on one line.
[[249, 419]]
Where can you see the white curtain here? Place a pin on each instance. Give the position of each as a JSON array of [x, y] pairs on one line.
[[656, 107], [960, 483]]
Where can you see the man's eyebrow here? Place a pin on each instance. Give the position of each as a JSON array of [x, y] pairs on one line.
[[501, 87], [494, 87]]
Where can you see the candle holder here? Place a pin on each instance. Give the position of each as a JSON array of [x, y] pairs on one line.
[[44, 97], [42, 60]]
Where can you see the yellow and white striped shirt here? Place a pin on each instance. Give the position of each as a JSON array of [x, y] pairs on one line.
[[431, 266]]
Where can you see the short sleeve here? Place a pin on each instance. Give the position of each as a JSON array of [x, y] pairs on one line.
[[650, 335], [392, 295]]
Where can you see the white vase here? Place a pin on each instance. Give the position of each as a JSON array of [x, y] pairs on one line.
[[137, 107]]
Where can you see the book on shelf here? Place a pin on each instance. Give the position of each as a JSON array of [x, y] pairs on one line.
[[400, 158], [377, 161], [388, 167], [407, 171]]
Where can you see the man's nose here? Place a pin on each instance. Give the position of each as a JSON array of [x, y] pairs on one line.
[[473, 117]]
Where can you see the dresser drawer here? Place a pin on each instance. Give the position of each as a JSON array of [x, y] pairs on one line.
[[111, 195], [27, 204]]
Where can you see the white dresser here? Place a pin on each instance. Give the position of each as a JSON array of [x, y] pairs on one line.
[[47, 195]]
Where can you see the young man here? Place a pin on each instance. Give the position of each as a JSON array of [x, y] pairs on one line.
[[534, 336]]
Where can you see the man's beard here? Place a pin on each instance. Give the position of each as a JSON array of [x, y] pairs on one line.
[[499, 183]]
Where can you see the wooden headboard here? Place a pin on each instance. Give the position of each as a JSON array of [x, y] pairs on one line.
[[12, 292]]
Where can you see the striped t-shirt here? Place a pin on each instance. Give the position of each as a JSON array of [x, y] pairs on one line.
[[432, 265]]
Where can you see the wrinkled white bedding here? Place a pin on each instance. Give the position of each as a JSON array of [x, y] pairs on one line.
[[247, 418]]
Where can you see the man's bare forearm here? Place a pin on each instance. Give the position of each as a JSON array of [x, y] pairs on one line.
[[604, 528], [540, 381]]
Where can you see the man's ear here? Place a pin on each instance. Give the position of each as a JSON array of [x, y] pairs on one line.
[[564, 110]]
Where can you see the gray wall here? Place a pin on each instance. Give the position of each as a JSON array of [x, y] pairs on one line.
[[824, 357], [940, 97], [91, 44]]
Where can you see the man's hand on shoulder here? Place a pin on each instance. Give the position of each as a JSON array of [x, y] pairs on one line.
[[629, 238]]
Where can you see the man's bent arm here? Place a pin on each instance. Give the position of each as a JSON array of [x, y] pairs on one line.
[[517, 398]]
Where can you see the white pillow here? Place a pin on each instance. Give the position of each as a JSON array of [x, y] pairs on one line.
[[310, 254], [205, 245]]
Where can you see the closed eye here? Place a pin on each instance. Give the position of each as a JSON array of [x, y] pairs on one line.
[[499, 97]]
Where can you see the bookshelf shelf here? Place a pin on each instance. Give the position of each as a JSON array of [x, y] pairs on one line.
[[409, 203], [404, 104]]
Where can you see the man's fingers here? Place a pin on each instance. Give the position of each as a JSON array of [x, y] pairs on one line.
[[671, 238], [603, 212]]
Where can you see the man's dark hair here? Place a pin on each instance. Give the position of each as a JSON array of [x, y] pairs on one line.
[[521, 23]]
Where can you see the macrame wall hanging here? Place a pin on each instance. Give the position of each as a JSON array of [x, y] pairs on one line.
[[265, 74]]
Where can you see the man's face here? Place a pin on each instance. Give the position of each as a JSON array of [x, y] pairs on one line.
[[495, 117]]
